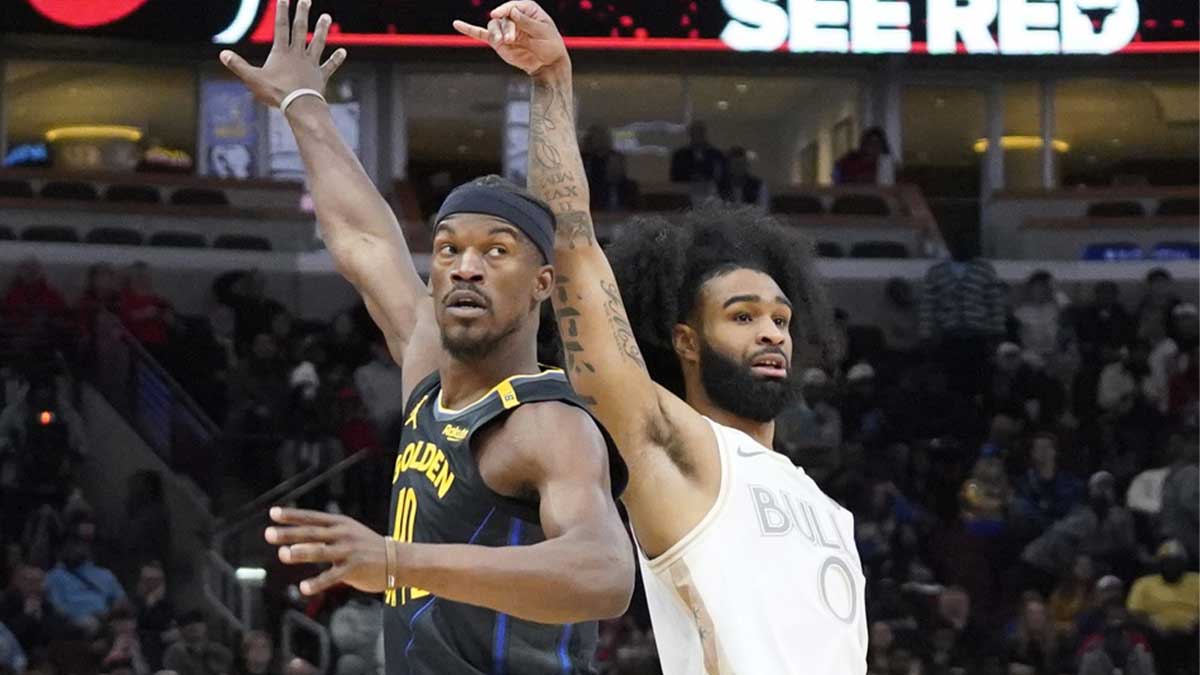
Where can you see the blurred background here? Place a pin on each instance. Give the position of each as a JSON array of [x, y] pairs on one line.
[[1005, 209]]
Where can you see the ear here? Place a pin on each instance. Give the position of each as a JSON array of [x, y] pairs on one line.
[[686, 341], [543, 283]]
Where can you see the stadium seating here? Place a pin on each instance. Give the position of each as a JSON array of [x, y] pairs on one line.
[[18, 189], [242, 242], [1178, 206], [665, 201], [829, 249], [70, 190], [50, 233], [143, 194], [177, 240], [199, 197], [6, 233], [121, 236]]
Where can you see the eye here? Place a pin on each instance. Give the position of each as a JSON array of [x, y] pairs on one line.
[[780, 321], [497, 251], [743, 317], [447, 249]]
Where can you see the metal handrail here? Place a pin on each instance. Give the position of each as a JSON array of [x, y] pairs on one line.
[[293, 619], [177, 391]]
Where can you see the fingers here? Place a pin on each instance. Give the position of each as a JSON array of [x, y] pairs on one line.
[[527, 15], [317, 46], [325, 580], [300, 554], [495, 33], [282, 536], [282, 32], [300, 24], [236, 64], [470, 31], [335, 61], [303, 517]]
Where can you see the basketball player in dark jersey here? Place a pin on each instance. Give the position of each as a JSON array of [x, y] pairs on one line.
[[504, 543]]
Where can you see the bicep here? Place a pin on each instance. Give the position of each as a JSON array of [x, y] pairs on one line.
[[573, 483]]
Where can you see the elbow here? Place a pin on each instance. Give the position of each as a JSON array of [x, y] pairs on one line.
[[611, 590]]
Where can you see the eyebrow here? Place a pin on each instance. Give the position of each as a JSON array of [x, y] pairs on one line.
[[755, 298]]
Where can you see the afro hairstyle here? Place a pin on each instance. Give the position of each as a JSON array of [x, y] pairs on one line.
[[661, 265]]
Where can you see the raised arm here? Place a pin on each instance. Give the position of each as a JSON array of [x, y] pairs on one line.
[[357, 225], [668, 446]]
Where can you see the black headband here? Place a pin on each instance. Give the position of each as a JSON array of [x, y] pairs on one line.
[[534, 221]]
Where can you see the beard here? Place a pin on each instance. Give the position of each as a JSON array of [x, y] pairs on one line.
[[473, 349], [734, 387]]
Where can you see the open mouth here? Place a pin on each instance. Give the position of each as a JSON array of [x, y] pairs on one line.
[[773, 366], [465, 303]]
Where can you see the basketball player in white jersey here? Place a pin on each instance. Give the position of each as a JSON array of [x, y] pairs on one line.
[[749, 568]]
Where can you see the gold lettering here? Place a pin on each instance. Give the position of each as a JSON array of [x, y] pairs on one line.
[[426, 458], [444, 483], [431, 472]]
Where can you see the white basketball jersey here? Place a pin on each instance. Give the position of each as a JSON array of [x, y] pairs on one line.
[[768, 583]]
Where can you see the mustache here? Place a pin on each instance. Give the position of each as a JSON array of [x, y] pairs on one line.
[[772, 351], [466, 286]]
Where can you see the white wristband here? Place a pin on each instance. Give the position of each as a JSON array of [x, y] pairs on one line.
[[287, 100]]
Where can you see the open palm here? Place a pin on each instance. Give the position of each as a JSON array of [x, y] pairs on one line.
[[523, 34]]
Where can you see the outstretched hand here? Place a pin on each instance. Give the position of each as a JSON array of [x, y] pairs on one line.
[[523, 34], [356, 553], [292, 64]]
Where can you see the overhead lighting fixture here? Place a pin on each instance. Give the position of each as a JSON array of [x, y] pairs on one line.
[[741, 87], [94, 132], [251, 574], [722, 105], [1021, 143]]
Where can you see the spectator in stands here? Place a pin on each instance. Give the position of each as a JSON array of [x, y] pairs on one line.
[[244, 292], [257, 656], [102, 294], [287, 336], [1034, 643], [1020, 388], [809, 431], [380, 385], [41, 440], [1039, 314], [1158, 298], [258, 399], [699, 164], [987, 498], [611, 188], [345, 344], [1102, 323], [1168, 603], [30, 294], [1109, 593], [355, 626], [871, 163], [964, 642], [309, 445], [298, 666], [1125, 384], [124, 644], [195, 654], [1183, 402], [80, 590], [146, 532], [897, 318], [741, 186], [143, 310], [1099, 528], [1118, 648], [1071, 597], [1046, 494], [12, 657], [962, 314], [155, 613], [27, 613], [1179, 518], [863, 418]]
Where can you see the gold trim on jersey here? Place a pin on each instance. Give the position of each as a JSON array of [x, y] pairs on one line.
[[508, 394]]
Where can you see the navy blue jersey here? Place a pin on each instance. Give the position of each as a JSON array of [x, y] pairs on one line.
[[438, 496]]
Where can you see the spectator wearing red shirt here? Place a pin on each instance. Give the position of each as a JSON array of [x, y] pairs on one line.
[[869, 164], [31, 294], [142, 310]]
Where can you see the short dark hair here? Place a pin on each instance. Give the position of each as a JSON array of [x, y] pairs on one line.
[[1158, 273], [662, 264]]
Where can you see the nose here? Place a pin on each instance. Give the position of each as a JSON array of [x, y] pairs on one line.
[[469, 268], [771, 335]]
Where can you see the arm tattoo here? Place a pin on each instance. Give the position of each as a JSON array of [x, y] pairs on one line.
[[622, 331], [555, 170]]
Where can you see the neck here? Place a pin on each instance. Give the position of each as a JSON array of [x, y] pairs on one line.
[[465, 381], [763, 432]]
